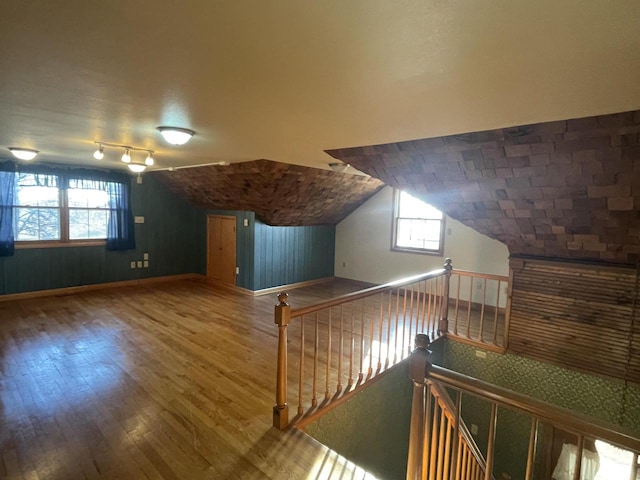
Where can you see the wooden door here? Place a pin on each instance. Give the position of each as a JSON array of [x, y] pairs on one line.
[[221, 249]]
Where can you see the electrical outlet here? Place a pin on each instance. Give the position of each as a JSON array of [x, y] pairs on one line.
[[481, 354], [237, 270], [146, 264], [139, 263], [474, 429], [138, 219], [133, 264], [145, 256], [245, 222]]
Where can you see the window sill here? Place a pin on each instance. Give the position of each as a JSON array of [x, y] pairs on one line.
[[435, 253], [56, 244]]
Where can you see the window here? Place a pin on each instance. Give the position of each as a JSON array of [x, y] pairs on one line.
[[417, 226], [42, 206]]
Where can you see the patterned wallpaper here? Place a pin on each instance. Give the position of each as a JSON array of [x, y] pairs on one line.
[[604, 399]]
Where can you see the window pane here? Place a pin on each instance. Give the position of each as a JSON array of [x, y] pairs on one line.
[[86, 198], [411, 207], [34, 224], [87, 224], [37, 190], [423, 234]]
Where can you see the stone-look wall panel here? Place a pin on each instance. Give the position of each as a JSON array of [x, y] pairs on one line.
[[565, 189]]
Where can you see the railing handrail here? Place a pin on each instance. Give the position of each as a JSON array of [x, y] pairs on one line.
[[367, 292], [487, 276], [546, 412]]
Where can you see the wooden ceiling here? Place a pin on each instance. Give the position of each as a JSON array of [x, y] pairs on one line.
[[279, 193], [563, 189]]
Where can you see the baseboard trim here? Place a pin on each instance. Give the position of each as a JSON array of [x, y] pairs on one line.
[[98, 286], [290, 286]]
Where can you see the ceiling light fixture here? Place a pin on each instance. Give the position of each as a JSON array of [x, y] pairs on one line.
[[339, 167], [176, 135], [99, 154], [134, 166], [23, 153], [137, 167]]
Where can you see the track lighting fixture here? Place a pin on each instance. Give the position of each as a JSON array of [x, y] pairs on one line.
[[23, 153], [126, 156], [176, 135], [99, 154], [134, 166]]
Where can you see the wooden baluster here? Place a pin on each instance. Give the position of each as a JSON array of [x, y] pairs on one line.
[[327, 390], [316, 345], [484, 301], [386, 360], [430, 320], [578, 463], [455, 328], [532, 449], [441, 445], [404, 329], [352, 346], [434, 440], [469, 307], [495, 317], [426, 448], [418, 364], [282, 315], [446, 467], [491, 442], [404, 322], [301, 370], [371, 334], [340, 350], [443, 328], [456, 434], [424, 310], [362, 318], [379, 366]]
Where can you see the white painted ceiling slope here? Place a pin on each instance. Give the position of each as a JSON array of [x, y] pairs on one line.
[[285, 80]]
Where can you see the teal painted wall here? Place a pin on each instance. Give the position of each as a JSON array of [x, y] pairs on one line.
[[169, 236], [285, 255], [372, 428], [606, 399]]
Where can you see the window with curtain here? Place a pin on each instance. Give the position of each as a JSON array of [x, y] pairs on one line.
[[51, 207], [417, 226]]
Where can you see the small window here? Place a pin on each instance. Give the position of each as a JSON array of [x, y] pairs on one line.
[[88, 213], [417, 226], [37, 209]]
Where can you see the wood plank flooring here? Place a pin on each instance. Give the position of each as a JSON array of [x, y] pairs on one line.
[[174, 381]]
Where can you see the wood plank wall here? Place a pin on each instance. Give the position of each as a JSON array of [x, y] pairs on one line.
[[577, 316], [169, 235]]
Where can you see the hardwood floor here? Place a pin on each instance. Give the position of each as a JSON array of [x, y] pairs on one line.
[[174, 381]]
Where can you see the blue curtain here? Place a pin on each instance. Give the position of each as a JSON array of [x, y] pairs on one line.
[[7, 186], [120, 230]]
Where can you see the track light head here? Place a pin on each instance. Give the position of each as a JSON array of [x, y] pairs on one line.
[[99, 154], [126, 156], [149, 160]]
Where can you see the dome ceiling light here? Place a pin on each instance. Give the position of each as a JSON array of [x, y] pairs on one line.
[[176, 135], [23, 153]]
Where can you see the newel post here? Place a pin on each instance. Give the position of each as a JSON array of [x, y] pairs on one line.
[[282, 318], [418, 363], [443, 326]]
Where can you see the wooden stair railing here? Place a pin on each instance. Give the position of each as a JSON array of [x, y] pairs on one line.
[[432, 455], [329, 350]]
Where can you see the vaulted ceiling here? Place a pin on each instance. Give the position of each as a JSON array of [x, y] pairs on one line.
[[564, 189]]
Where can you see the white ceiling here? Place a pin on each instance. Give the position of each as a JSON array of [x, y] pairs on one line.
[[284, 80]]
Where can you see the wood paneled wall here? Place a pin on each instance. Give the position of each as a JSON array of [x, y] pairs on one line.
[[168, 235], [285, 255], [576, 315]]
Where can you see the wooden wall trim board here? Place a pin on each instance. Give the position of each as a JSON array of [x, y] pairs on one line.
[[99, 286], [579, 316]]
